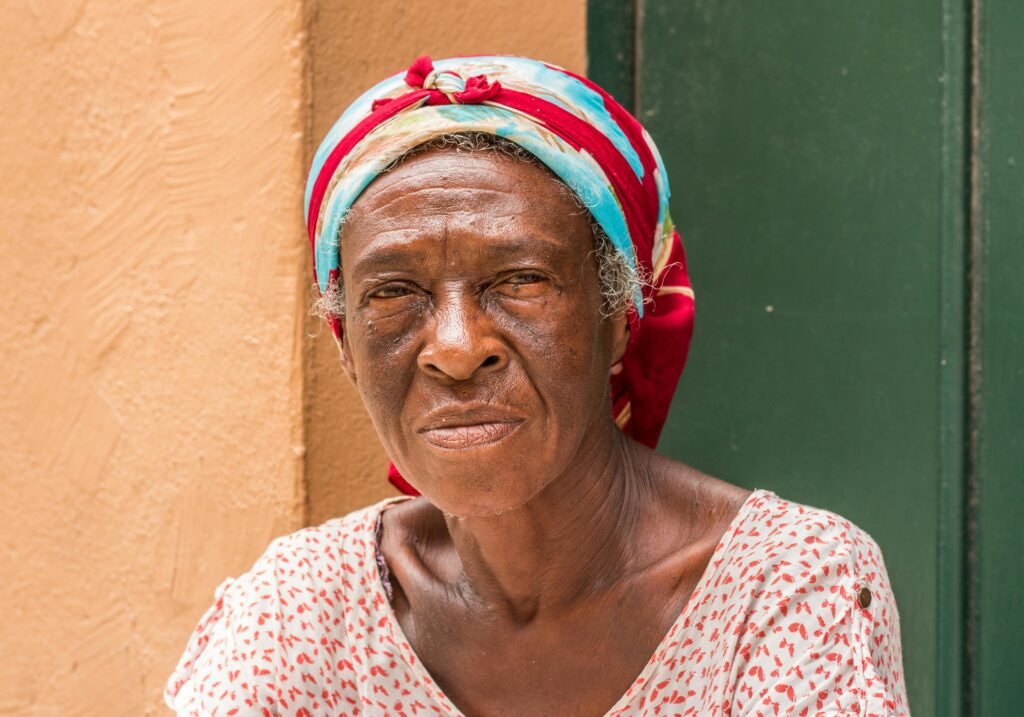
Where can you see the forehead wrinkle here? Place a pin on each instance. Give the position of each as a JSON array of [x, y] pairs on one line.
[[436, 196], [525, 245], [472, 173], [390, 247], [462, 220]]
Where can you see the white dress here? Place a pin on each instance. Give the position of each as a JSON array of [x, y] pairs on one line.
[[794, 615]]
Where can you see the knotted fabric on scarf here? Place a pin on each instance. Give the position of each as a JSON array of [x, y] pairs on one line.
[[582, 135]]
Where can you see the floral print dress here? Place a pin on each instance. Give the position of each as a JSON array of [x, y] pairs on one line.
[[794, 615]]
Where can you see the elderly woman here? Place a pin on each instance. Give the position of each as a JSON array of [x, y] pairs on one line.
[[494, 250]]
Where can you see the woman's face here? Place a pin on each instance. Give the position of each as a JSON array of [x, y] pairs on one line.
[[474, 328]]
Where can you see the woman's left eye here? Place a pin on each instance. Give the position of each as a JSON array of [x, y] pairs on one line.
[[528, 277], [523, 285]]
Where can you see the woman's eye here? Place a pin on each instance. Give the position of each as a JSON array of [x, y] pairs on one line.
[[525, 278], [524, 285], [391, 292]]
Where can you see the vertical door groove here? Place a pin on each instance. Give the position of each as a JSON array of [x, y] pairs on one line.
[[972, 563]]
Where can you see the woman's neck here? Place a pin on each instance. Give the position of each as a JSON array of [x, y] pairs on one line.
[[569, 541]]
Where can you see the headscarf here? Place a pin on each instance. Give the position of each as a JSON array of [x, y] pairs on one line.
[[582, 135]]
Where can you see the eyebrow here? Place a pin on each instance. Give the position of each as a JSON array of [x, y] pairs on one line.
[[382, 259], [526, 245]]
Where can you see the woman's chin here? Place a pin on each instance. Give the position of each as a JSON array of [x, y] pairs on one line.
[[475, 490], [479, 507]]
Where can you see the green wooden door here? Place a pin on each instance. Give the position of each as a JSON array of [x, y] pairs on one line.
[[823, 177], [996, 614]]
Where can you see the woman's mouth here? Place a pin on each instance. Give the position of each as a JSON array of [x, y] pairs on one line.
[[475, 435]]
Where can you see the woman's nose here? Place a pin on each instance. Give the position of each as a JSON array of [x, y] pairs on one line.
[[462, 343]]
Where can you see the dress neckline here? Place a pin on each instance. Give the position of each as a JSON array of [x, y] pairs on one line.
[[434, 690]]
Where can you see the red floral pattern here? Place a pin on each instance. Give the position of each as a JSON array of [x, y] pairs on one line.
[[794, 615]]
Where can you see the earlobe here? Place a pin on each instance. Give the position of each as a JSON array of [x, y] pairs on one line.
[[620, 338], [347, 365]]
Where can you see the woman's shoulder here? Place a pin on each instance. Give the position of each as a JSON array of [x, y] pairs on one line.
[[336, 554], [760, 527], [358, 525], [809, 587], [300, 592], [316, 553], [785, 533]]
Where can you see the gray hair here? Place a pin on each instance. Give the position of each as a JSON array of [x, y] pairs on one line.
[[619, 283]]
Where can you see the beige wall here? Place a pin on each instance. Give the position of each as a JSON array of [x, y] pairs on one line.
[[165, 404], [151, 160]]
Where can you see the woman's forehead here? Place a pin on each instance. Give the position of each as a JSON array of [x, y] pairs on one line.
[[482, 196]]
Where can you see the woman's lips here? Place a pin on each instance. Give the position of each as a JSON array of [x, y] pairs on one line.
[[469, 436]]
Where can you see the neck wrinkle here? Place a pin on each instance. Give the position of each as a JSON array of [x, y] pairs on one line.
[[571, 541]]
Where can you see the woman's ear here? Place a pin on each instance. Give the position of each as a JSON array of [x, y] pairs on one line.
[[620, 337], [347, 364]]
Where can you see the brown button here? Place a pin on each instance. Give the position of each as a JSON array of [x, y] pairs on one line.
[[864, 597]]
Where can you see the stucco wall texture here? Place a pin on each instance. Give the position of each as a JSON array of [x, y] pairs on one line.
[[166, 405], [151, 435]]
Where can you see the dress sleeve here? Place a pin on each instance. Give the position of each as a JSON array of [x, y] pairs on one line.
[[876, 641], [831, 647], [228, 667]]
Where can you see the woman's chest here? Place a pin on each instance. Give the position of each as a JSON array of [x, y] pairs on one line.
[[581, 663]]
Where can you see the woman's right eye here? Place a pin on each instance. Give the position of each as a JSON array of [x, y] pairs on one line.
[[392, 291]]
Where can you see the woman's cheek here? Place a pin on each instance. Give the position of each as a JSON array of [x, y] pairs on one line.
[[386, 349], [542, 320], [552, 331]]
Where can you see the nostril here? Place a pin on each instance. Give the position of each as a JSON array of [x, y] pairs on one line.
[[490, 361]]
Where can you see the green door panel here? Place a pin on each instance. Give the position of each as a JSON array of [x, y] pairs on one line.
[[1000, 421]]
